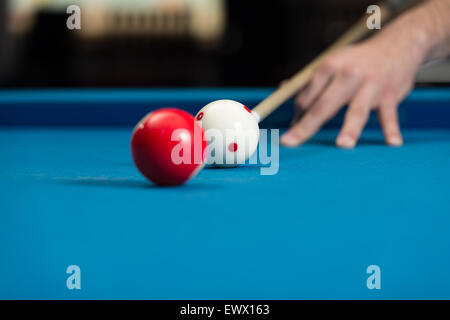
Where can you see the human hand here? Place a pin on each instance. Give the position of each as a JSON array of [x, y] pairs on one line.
[[374, 75]]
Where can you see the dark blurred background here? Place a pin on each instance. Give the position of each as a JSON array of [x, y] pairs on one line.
[[170, 43]]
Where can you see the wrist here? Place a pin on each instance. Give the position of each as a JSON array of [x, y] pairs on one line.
[[421, 32], [426, 28], [438, 30]]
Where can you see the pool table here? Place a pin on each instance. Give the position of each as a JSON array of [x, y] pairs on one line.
[[70, 195]]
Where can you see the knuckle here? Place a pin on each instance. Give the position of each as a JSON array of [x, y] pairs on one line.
[[328, 65], [351, 71], [319, 74], [315, 113], [388, 97], [371, 79], [388, 90], [319, 110], [388, 105], [357, 113]]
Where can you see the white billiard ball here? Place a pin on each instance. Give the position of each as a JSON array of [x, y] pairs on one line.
[[232, 131]]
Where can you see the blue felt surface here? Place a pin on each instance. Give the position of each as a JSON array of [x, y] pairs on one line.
[[73, 196]]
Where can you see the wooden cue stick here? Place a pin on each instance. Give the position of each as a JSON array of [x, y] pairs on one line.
[[300, 79]]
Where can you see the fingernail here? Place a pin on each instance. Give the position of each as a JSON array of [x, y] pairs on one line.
[[345, 141], [289, 139], [395, 141]]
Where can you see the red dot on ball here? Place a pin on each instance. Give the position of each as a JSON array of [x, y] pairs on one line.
[[200, 116], [232, 147], [248, 110]]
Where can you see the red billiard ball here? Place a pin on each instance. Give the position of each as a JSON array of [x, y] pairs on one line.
[[168, 146]]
